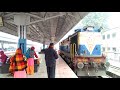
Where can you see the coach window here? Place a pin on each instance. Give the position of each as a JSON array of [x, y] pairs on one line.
[[114, 35], [103, 37], [108, 48], [103, 49], [108, 36], [114, 49]]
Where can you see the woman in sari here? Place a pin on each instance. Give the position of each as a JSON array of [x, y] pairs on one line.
[[30, 60], [17, 62]]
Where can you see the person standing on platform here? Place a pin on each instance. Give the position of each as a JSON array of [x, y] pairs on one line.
[[30, 60], [18, 64], [33, 53], [50, 58]]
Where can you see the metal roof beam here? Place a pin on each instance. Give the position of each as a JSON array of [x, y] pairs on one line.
[[45, 19], [9, 21], [39, 34], [32, 15], [10, 14], [73, 16]]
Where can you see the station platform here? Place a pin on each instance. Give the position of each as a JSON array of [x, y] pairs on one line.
[[62, 70]]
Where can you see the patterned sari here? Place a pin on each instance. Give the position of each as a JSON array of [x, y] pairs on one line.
[[17, 62], [30, 66]]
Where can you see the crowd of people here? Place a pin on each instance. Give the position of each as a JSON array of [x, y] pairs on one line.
[[21, 64]]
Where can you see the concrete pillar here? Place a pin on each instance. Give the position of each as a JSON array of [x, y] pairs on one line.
[[43, 46], [21, 21], [44, 43], [22, 31], [22, 38], [2, 45], [53, 39]]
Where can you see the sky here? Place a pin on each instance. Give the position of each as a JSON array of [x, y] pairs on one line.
[[114, 19]]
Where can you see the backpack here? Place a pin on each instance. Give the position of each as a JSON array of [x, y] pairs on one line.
[[31, 53], [28, 53]]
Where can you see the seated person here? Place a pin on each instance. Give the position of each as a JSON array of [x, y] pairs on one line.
[[3, 58]]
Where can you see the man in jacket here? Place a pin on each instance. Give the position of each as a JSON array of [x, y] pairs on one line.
[[50, 58]]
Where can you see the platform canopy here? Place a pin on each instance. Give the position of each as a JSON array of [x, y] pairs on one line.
[[43, 26]]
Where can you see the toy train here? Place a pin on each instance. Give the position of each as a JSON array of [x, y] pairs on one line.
[[82, 52]]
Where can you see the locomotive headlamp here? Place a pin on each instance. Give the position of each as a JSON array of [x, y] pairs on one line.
[[80, 65]]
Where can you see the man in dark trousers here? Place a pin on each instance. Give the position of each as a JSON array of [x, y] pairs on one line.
[[50, 58]]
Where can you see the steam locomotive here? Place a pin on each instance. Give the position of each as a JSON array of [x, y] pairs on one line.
[[82, 52]]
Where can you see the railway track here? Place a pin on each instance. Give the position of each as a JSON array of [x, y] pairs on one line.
[[113, 71]]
